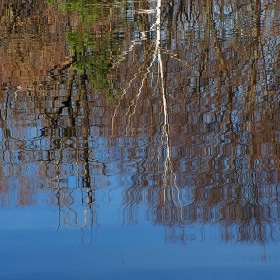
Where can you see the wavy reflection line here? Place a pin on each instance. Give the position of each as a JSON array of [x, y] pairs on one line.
[[166, 130]]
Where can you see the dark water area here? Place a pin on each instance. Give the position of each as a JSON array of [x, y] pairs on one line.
[[139, 139]]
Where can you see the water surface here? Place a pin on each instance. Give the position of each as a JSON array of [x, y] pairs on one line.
[[139, 139]]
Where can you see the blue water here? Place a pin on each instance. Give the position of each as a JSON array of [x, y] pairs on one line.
[[33, 247]]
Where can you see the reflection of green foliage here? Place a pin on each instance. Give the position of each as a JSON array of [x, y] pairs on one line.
[[93, 58], [93, 54]]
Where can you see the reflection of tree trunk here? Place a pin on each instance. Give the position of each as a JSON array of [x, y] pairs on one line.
[[166, 132], [84, 137], [258, 28], [169, 188], [82, 149], [258, 56], [86, 129], [6, 130], [223, 63]]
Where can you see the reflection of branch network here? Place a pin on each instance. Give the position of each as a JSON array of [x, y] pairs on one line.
[[81, 216], [207, 201], [169, 193]]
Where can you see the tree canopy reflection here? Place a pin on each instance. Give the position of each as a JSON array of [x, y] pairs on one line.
[[193, 135], [94, 38]]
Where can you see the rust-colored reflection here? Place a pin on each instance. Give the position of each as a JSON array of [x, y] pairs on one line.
[[33, 46], [212, 132]]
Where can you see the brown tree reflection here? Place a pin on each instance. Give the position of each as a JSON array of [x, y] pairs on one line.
[[210, 127], [193, 136]]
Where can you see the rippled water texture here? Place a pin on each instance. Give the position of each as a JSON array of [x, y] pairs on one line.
[[139, 139]]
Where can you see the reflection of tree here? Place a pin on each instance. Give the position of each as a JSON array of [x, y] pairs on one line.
[[52, 88], [40, 118], [218, 150], [71, 108], [194, 135], [94, 39], [168, 192]]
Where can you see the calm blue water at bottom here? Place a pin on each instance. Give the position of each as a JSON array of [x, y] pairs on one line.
[[33, 247]]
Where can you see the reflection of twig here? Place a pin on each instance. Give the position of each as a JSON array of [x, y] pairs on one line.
[[133, 44], [122, 96], [19, 88], [139, 91], [67, 214]]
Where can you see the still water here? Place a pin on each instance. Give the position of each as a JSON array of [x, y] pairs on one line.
[[139, 139]]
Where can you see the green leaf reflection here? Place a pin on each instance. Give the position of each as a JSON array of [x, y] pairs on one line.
[[94, 40]]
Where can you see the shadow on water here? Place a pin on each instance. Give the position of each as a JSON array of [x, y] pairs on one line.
[[172, 103]]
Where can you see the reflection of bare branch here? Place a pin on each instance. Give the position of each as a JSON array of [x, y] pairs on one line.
[[134, 102], [166, 130], [132, 45]]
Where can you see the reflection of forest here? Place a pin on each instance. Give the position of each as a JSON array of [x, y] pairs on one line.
[[194, 134]]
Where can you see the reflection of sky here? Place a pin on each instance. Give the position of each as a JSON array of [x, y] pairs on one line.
[[32, 248]]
